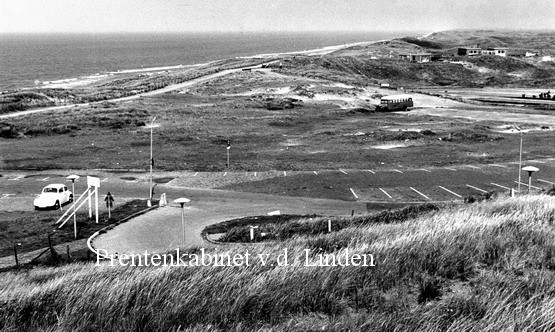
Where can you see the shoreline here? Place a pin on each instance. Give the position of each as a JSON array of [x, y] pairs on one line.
[[85, 80]]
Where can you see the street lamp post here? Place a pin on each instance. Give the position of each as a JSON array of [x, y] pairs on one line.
[[151, 161], [182, 202], [520, 161], [73, 177]]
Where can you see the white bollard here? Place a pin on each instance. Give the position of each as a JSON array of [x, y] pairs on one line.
[[163, 201]]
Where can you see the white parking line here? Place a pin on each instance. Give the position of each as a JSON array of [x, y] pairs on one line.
[[371, 171], [553, 183], [497, 165], [451, 169], [536, 161], [449, 191], [46, 178], [104, 180], [514, 162], [500, 186], [254, 173], [425, 170], [398, 171], [6, 195], [315, 172], [418, 192], [385, 192], [526, 185], [195, 174], [472, 166], [342, 171], [17, 178], [225, 173], [475, 188], [284, 173], [354, 193]]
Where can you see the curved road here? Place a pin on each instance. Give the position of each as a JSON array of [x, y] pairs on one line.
[[160, 230]]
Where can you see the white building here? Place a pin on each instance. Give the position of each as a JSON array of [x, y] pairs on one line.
[[500, 51]]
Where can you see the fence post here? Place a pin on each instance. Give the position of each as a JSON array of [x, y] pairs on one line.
[[15, 255], [50, 246]]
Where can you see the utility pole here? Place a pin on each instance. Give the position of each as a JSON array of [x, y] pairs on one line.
[[520, 160], [151, 161]]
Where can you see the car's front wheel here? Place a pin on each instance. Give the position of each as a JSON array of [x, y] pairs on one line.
[[57, 205]]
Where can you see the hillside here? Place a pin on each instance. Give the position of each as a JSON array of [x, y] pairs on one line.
[[531, 40], [379, 62], [484, 267]]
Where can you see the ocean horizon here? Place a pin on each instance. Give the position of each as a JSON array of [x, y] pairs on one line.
[[29, 58]]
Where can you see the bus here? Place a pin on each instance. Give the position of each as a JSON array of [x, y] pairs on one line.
[[395, 103]]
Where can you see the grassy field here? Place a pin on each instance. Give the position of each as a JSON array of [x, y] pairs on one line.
[[194, 129], [480, 267], [31, 230]]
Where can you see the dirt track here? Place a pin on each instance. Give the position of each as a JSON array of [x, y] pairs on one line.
[[146, 94]]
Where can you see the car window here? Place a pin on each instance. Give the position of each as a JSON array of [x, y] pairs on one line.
[[65, 188], [50, 190], [61, 190]]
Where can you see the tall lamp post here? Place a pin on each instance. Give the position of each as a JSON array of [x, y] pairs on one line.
[[520, 159], [73, 177], [149, 203], [182, 202]]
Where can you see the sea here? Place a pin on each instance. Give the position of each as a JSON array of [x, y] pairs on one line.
[[27, 59]]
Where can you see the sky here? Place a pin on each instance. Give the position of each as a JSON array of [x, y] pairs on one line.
[[102, 16]]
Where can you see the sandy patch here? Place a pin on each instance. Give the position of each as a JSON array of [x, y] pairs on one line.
[[481, 155], [511, 129], [291, 142], [360, 133], [414, 130], [388, 146]]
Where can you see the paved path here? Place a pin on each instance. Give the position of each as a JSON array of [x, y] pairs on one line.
[[160, 230]]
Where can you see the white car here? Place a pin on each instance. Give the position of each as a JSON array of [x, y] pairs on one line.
[[53, 195]]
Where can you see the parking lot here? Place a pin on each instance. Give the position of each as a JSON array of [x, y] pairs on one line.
[[400, 185]]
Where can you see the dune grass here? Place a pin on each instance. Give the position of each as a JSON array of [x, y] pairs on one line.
[[487, 266]]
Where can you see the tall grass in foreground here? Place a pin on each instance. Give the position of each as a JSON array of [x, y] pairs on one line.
[[481, 267]]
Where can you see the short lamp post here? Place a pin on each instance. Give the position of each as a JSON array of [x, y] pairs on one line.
[[73, 177], [530, 170], [182, 202]]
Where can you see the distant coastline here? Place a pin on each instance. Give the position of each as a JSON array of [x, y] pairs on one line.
[[82, 64]]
